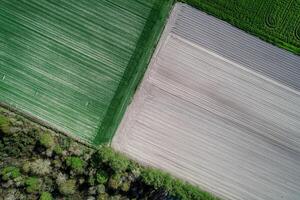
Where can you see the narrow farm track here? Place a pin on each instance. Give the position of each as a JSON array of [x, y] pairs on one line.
[[62, 62], [218, 108]]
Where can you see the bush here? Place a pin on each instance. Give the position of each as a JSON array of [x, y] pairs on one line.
[[175, 187], [67, 187], [75, 149], [26, 167], [100, 189], [75, 163], [10, 172], [33, 185], [125, 186], [154, 177], [40, 167], [58, 150], [4, 124], [46, 196], [116, 161], [117, 197], [101, 177], [115, 181], [103, 196], [47, 140], [91, 180]]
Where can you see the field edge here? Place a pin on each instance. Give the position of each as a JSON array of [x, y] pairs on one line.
[[263, 35], [135, 70]]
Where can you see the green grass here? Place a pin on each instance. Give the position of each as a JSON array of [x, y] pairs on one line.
[[275, 21], [75, 64]]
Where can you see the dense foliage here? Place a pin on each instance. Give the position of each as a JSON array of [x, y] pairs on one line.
[[37, 163], [276, 21]]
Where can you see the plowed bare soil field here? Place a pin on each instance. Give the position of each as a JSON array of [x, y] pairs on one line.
[[218, 108]]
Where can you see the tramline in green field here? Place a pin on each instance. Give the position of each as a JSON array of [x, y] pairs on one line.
[[75, 64]]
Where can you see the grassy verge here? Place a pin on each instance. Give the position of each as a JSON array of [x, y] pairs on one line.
[[276, 22], [135, 70], [37, 163]]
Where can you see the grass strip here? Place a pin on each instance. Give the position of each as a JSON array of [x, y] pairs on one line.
[[135, 71]]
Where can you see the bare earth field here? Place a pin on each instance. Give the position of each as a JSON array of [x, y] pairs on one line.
[[218, 108]]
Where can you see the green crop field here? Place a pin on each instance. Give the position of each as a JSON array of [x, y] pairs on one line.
[[74, 64], [276, 21]]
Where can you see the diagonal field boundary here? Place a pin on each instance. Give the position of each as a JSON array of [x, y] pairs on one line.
[[74, 65], [137, 66]]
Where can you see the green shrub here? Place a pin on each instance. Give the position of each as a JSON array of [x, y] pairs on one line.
[[100, 189], [174, 186], [10, 172], [125, 186], [58, 150], [46, 196], [75, 148], [47, 140], [154, 177], [103, 196], [91, 180], [116, 197], [75, 163], [101, 177], [116, 161], [33, 185], [56, 163], [40, 167], [4, 124], [67, 187], [115, 181], [26, 167]]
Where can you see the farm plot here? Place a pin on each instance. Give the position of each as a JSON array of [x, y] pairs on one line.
[[75, 64], [218, 108], [276, 21]]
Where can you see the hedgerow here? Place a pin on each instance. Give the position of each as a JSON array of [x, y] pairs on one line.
[[68, 169]]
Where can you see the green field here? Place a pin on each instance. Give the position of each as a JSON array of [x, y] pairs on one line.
[[74, 64], [276, 21]]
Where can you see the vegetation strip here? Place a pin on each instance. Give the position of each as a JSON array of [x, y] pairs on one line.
[[37, 163], [137, 66]]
